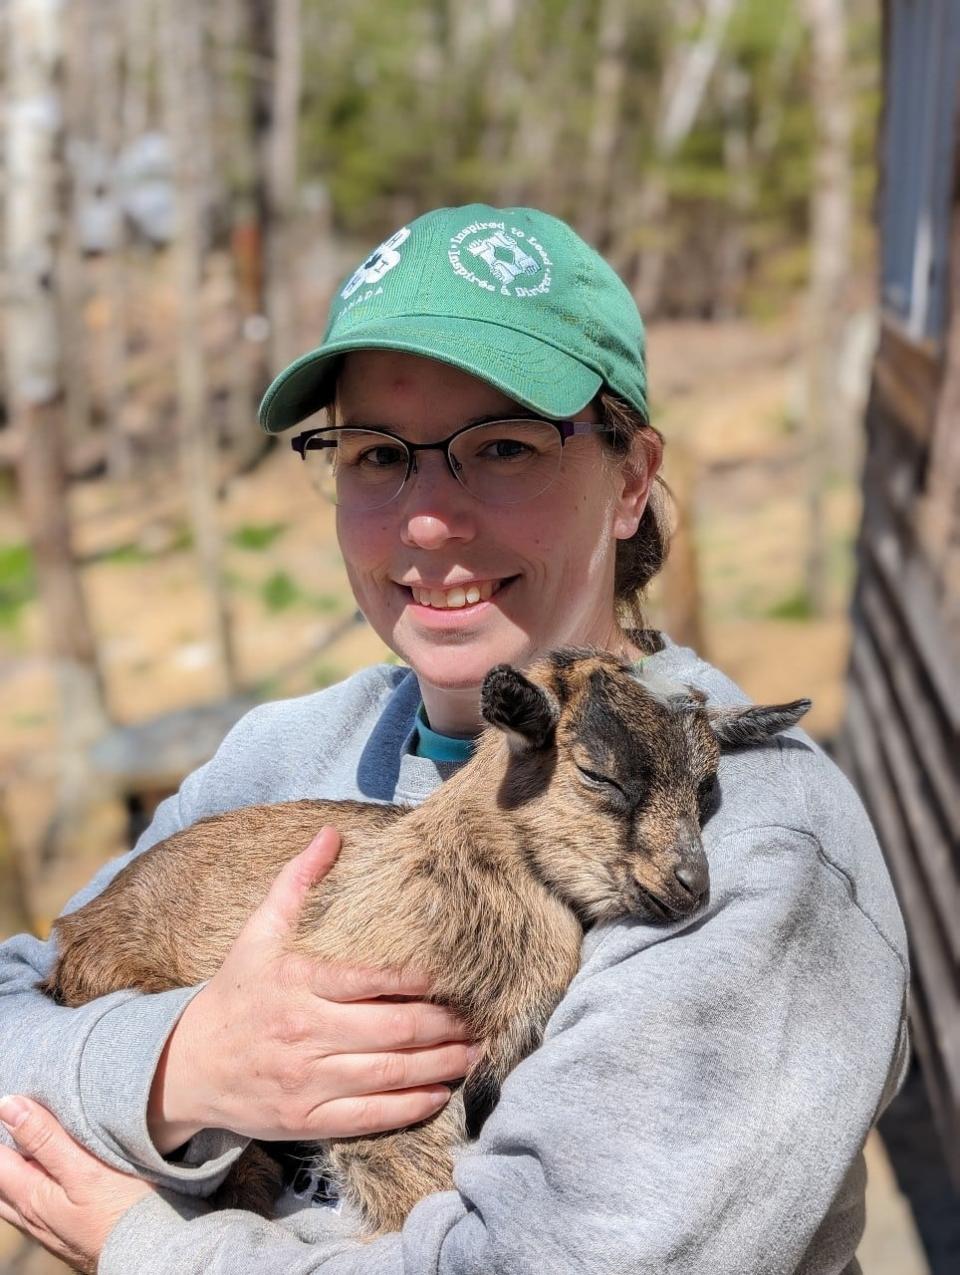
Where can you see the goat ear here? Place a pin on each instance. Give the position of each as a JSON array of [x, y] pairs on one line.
[[687, 699], [741, 727], [524, 711]]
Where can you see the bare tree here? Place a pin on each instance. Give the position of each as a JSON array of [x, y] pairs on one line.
[[281, 179], [686, 75], [110, 100], [610, 69], [831, 212], [184, 107], [33, 234]]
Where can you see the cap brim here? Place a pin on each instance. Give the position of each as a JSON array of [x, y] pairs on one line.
[[531, 372]]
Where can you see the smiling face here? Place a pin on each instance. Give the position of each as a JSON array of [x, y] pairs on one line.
[[454, 586]]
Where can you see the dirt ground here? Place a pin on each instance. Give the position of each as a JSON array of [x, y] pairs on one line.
[[728, 392]]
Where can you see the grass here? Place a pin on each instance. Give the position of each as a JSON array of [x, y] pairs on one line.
[[255, 537]]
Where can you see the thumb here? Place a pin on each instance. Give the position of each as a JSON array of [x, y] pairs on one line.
[[40, 1136], [278, 914]]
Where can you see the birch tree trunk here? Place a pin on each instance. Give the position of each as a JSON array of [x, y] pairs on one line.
[[184, 98], [830, 228], [608, 81], [534, 171], [109, 99], [685, 80], [281, 172], [33, 235], [71, 279]]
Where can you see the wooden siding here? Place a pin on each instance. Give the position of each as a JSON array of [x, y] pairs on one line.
[[900, 741]]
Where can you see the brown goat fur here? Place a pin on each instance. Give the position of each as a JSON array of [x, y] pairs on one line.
[[582, 803]]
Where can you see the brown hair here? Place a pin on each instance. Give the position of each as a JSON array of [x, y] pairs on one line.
[[641, 557]]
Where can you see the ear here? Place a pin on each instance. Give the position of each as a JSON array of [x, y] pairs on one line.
[[638, 470], [741, 727], [690, 697], [525, 712]]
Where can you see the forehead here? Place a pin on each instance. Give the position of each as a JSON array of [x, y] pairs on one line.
[[388, 387], [633, 727], [418, 396]]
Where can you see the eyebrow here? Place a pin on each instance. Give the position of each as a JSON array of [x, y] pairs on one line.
[[517, 414]]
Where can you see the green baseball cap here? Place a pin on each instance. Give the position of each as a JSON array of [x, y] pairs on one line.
[[511, 295]]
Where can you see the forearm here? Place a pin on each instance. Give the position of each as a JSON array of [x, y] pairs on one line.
[[94, 1066]]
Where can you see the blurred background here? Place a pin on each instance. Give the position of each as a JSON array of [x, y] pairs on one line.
[[184, 182]]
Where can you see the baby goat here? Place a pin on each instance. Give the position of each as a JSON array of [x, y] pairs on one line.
[[582, 803]]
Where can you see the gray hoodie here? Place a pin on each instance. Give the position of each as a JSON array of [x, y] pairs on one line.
[[703, 1092]]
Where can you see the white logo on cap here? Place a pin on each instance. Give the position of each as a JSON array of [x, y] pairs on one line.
[[502, 254], [377, 264]]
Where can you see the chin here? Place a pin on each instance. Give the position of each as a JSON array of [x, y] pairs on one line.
[[459, 666]]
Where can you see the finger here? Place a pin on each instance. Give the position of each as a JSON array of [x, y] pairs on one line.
[[41, 1137], [9, 1214], [377, 1113], [378, 1026], [26, 1194], [278, 913], [18, 1179], [363, 983], [358, 1074]]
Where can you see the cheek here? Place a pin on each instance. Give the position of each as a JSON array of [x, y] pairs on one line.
[[364, 540]]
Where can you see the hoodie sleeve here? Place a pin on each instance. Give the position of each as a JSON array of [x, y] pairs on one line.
[[93, 1066], [699, 1105]]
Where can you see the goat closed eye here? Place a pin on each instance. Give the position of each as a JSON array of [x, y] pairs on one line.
[[706, 794], [594, 777]]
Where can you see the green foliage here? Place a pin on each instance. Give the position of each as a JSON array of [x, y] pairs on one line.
[[182, 539], [130, 554], [17, 581], [255, 537], [795, 606], [280, 591]]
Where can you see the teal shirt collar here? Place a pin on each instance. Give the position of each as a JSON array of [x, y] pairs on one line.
[[429, 743]]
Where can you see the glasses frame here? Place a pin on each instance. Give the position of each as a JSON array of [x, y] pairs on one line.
[[565, 428]]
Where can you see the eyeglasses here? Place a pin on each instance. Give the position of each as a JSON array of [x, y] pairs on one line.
[[498, 462]]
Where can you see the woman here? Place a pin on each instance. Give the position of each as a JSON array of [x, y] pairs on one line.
[[704, 1090]]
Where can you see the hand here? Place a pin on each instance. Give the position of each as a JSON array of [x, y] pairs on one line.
[[61, 1196], [279, 1047]]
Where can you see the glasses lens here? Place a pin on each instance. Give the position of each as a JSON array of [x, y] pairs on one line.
[[362, 470], [506, 462]]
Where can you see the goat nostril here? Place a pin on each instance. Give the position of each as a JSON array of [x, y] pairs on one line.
[[691, 878]]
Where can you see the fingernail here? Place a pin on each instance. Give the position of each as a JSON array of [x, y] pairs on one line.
[[13, 1112], [473, 1053]]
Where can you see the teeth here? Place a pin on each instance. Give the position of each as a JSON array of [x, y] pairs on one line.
[[458, 596]]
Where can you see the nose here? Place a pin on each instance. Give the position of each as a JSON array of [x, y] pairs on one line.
[[435, 507], [693, 876]]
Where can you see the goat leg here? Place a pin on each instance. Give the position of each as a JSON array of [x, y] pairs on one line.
[[382, 1177]]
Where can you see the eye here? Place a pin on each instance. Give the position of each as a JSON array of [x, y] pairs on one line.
[[381, 456], [705, 790], [601, 781], [506, 449]]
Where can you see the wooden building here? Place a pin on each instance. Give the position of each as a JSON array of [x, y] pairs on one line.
[[900, 741]]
